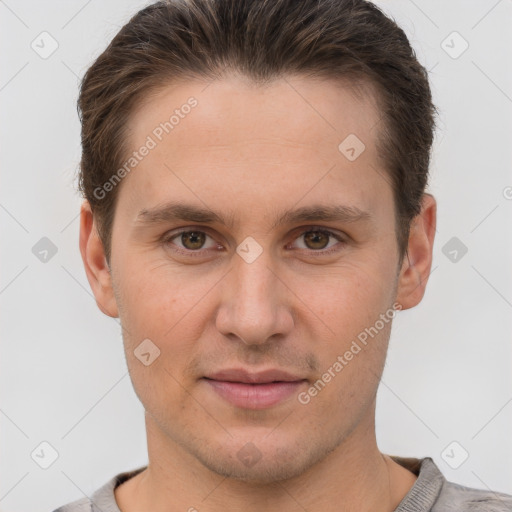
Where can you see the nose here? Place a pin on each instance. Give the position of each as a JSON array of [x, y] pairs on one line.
[[255, 304]]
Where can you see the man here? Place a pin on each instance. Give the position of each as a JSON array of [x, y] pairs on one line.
[[256, 214]]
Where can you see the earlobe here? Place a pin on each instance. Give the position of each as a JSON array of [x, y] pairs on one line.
[[417, 263], [95, 263]]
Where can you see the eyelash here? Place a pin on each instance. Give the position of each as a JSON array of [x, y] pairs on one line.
[[168, 237]]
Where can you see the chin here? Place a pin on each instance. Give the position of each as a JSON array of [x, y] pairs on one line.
[[261, 463]]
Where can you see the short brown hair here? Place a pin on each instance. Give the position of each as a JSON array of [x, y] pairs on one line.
[[263, 40]]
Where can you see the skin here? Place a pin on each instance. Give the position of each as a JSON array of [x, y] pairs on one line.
[[255, 151]]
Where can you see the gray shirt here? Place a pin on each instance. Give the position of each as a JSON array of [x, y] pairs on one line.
[[431, 492]]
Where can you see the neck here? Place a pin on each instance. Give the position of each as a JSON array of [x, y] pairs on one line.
[[353, 477]]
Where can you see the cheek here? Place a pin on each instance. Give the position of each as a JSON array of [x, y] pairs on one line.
[[167, 313], [350, 297], [166, 309], [161, 392], [159, 298], [350, 368], [350, 303]]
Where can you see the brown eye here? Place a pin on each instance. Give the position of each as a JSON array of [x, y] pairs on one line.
[[320, 242], [316, 239], [190, 243], [193, 240]]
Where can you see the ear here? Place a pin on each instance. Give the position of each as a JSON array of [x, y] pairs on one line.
[[416, 265], [95, 263]]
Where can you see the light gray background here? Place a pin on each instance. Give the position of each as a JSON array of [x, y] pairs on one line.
[[63, 375]]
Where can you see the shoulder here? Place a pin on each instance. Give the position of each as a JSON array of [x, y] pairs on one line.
[[432, 492], [103, 499], [458, 498], [81, 505], [90, 505]]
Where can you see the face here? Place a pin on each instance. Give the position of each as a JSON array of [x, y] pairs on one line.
[[296, 271]]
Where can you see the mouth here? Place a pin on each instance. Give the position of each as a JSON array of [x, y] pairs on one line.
[[254, 390], [247, 377]]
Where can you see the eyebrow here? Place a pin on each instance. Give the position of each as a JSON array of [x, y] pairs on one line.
[[174, 211]]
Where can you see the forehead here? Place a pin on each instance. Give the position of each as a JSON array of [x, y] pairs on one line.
[[252, 140], [297, 109]]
